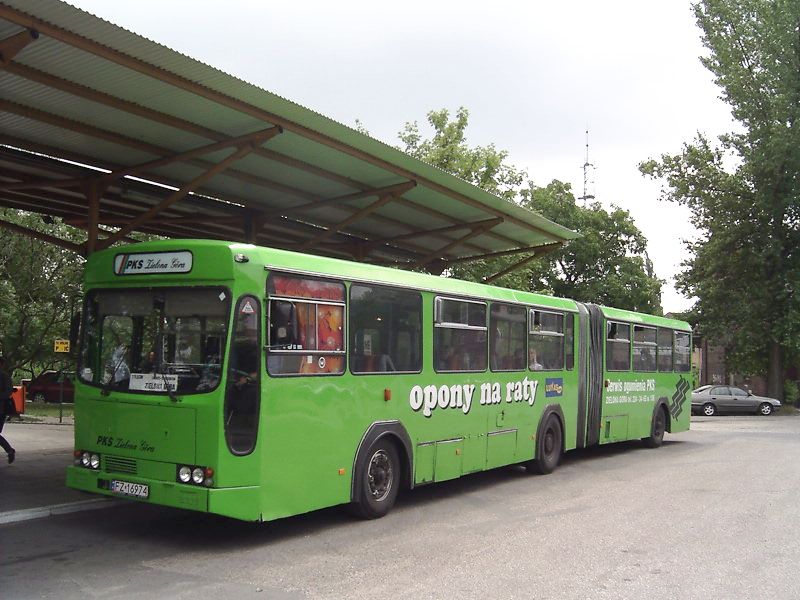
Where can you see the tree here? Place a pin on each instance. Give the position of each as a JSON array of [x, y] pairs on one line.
[[608, 264], [39, 284], [743, 191]]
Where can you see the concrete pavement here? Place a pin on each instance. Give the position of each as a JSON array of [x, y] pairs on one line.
[[34, 485]]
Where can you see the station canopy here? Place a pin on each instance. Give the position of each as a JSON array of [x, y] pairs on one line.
[[114, 133]]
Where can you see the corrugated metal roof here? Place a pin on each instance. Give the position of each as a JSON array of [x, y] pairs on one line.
[[89, 91]]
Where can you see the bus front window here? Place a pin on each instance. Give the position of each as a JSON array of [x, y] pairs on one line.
[[154, 340]]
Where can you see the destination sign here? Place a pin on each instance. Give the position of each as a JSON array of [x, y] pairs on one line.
[[153, 263]]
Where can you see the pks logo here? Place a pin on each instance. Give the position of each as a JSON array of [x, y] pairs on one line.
[[553, 387]]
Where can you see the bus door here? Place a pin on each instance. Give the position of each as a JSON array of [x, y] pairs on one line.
[[243, 389]]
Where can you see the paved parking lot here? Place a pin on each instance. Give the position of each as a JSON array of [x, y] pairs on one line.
[[711, 514]]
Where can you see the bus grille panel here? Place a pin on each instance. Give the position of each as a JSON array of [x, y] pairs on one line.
[[119, 464]]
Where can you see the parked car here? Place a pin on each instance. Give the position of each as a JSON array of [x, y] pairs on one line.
[[46, 387], [708, 400]]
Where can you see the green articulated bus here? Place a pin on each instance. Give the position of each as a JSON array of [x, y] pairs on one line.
[[258, 383]]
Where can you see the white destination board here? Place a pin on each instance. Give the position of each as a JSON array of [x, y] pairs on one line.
[[153, 263]]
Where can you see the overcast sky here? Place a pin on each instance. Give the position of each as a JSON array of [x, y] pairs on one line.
[[534, 75]]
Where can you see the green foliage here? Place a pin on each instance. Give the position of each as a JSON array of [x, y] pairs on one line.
[[743, 192], [608, 264], [791, 392], [39, 283], [483, 166]]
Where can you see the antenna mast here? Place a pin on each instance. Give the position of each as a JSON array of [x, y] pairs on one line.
[[588, 173]]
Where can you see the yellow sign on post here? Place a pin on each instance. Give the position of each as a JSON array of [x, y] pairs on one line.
[[61, 346]]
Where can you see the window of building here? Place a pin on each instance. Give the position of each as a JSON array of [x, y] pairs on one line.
[[644, 348], [306, 326], [385, 330], [507, 339], [665, 350], [459, 338], [546, 340], [618, 346]]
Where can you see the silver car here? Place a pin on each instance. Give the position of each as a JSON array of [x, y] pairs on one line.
[[708, 400]]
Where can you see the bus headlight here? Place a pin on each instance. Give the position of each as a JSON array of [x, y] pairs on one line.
[[184, 474], [86, 459], [94, 461], [198, 475]]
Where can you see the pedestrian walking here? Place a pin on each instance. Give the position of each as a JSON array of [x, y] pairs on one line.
[[6, 408]]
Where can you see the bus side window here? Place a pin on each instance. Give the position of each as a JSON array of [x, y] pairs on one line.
[[618, 346], [459, 335], [683, 352], [545, 340], [507, 340], [644, 348], [306, 329], [385, 325], [283, 324], [665, 350]]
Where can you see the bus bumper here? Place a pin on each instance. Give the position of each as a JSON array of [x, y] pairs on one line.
[[239, 503]]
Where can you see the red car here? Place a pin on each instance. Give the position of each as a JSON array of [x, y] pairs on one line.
[[47, 387]]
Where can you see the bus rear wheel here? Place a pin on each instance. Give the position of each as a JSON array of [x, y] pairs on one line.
[[379, 474], [657, 429], [548, 448]]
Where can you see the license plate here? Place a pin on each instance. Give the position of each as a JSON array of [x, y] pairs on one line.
[[126, 488]]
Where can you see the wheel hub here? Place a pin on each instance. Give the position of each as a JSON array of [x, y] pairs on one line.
[[380, 475]]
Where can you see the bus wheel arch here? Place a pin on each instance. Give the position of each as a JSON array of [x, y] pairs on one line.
[[549, 444], [384, 447]]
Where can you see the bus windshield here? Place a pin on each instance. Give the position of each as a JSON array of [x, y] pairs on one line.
[[154, 340]]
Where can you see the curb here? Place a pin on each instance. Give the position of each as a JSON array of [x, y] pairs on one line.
[[26, 514]]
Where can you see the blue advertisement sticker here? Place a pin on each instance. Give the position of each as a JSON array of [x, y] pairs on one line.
[[553, 387]]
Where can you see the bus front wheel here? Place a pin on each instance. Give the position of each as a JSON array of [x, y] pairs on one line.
[[379, 474], [548, 448]]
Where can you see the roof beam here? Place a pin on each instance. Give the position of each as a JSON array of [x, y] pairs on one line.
[[393, 190], [176, 196], [14, 44], [540, 251], [44, 237], [258, 137], [474, 231], [342, 225]]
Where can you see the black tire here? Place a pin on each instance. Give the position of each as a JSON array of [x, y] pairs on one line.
[[709, 409], [548, 448], [657, 429], [380, 477], [765, 408]]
